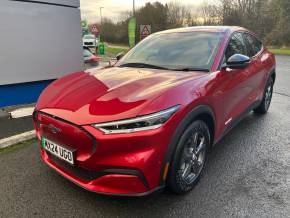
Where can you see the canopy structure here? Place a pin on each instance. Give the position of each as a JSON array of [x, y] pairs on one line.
[[40, 41], [72, 3]]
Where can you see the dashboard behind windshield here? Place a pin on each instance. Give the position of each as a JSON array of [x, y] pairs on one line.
[[179, 50]]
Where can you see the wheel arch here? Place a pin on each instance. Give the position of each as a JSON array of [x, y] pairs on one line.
[[202, 112], [273, 75]]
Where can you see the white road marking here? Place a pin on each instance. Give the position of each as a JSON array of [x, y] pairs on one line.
[[22, 112], [4, 143]]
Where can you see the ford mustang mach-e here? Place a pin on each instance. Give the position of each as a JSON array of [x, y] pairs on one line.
[[148, 121]]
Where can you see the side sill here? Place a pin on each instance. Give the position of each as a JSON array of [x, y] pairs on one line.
[[237, 120]]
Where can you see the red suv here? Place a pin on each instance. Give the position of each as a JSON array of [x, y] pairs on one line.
[[149, 120]]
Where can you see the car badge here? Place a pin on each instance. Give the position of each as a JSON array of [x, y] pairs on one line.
[[53, 129]]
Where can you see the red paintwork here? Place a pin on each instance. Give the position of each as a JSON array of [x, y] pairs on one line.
[[95, 58], [110, 94]]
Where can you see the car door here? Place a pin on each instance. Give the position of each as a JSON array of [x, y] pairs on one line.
[[235, 87], [258, 69]]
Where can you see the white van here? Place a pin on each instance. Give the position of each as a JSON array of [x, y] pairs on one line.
[[90, 41]]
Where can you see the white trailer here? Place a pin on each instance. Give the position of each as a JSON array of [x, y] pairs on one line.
[[40, 41]]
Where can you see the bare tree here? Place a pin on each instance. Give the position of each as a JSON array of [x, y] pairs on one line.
[[270, 19], [210, 14], [177, 14]]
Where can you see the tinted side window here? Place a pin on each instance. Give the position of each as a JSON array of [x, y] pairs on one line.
[[236, 46], [254, 43]]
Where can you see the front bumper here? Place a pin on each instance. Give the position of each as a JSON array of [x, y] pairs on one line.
[[105, 183], [110, 182], [121, 164]]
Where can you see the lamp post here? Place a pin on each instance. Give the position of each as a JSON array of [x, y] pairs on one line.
[[101, 14], [101, 22], [133, 7]]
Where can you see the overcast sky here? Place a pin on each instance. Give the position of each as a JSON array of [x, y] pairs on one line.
[[112, 8]]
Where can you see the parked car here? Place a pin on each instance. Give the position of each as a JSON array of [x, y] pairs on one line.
[[90, 41], [90, 59], [148, 121]]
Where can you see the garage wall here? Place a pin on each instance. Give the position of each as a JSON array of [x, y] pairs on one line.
[[39, 41], [74, 3]]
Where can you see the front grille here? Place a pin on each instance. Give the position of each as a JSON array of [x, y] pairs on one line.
[[71, 135], [88, 175], [81, 173]]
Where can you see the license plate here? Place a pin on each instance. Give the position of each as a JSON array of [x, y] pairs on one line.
[[59, 151]]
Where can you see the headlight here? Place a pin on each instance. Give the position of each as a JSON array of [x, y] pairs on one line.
[[147, 122]]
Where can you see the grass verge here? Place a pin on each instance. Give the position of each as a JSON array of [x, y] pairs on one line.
[[115, 51], [280, 51], [17, 147], [276, 51]]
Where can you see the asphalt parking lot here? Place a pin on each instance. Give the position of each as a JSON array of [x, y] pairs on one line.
[[248, 175]]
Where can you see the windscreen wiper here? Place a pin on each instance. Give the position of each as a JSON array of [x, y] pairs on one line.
[[143, 65], [191, 69]]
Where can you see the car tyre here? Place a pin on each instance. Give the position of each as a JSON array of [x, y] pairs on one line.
[[267, 98], [189, 159]]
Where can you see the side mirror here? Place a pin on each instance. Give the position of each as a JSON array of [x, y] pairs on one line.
[[237, 61], [120, 55]]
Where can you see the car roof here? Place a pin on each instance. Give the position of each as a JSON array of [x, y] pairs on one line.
[[221, 29]]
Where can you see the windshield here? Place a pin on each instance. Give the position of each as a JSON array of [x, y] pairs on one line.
[[89, 37], [190, 50]]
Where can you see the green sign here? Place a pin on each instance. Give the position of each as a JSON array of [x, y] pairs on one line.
[[85, 28], [101, 49], [84, 24], [85, 32], [132, 31]]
